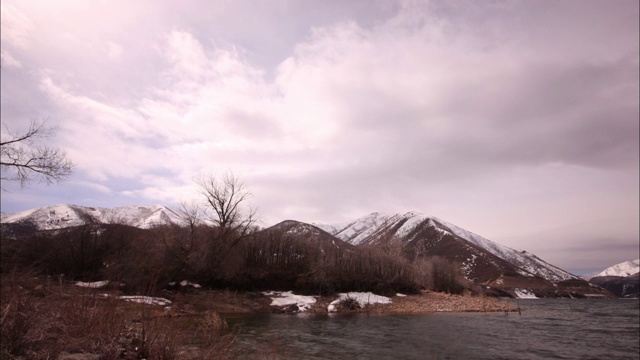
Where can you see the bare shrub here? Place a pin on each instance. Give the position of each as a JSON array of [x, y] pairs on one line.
[[446, 276], [349, 303], [423, 270]]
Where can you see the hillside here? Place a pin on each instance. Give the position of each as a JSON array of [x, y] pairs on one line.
[[427, 234], [481, 260]]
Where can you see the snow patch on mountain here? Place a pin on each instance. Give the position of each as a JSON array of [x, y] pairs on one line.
[[360, 229], [61, 216], [525, 294], [298, 228], [623, 269]]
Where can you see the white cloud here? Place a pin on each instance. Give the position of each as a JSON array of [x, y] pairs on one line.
[[16, 26], [186, 54], [114, 51], [9, 61]]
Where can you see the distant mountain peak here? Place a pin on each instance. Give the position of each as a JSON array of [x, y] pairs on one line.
[[67, 215], [623, 269]]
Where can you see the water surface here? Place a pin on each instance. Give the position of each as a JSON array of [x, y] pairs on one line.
[[547, 329]]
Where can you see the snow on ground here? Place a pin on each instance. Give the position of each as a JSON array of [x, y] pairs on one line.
[[184, 283], [362, 299], [146, 300], [93, 285], [134, 298], [139, 299], [525, 294], [283, 298]]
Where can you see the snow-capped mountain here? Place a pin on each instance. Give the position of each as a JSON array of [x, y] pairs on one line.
[[61, 216], [481, 259], [622, 279], [623, 269]]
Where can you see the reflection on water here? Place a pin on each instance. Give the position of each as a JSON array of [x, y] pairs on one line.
[[547, 329]]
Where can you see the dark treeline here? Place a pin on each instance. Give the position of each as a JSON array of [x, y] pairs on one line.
[[146, 261]]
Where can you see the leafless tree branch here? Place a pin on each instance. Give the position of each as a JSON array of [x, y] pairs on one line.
[[23, 160]]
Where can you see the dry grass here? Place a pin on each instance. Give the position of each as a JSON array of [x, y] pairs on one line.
[[429, 302], [42, 318]]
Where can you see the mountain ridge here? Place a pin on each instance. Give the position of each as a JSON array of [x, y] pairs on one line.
[[481, 260], [406, 227], [622, 279], [67, 215], [623, 269]]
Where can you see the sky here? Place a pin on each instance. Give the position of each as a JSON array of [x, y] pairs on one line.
[[516, 120]]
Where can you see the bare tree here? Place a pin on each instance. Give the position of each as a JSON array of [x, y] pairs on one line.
[[226, 197], [191, 214], [23, 159]]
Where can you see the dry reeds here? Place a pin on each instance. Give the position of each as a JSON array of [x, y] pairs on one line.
[[212, 321]]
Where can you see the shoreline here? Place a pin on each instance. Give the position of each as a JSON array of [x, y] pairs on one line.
[[198, 301], [227, 302], [425, 303]]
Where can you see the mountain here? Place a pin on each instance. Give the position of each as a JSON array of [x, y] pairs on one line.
[[62, 216], [482, 261], [625, 268], [306, 232], [622, 279]]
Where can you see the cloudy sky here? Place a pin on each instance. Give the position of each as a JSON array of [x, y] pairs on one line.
[[517, 120]]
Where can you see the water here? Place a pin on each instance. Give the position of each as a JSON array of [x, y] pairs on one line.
[[547, 329]]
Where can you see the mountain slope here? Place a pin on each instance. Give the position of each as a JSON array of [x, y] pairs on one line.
[[481, 259], [625, 268], [306, 232], [621, 286], [61, 216]]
